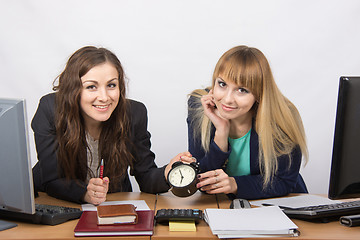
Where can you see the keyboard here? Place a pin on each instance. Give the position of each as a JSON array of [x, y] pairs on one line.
[[335, 210], [44, 214]]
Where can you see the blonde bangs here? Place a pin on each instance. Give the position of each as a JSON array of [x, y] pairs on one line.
[[243, 70]]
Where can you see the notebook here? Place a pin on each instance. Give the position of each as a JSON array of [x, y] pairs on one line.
[[87, 225], [117, 214]]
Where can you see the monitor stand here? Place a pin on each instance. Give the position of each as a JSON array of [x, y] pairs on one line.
[[6, 225]]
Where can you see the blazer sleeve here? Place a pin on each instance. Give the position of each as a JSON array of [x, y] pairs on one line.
[[150, 178], [285, 180], [45, 172]]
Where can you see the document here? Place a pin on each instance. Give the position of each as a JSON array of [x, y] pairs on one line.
[[250, 222], [296, 201]]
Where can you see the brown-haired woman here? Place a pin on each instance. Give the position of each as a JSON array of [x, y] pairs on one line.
[[89, 119]]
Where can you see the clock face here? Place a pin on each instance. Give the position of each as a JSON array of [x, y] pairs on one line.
[[182, 175]]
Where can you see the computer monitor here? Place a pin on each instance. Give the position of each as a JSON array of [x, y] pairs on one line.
[[16, 183], [345, 166]]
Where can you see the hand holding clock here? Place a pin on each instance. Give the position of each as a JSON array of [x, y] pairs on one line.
[[216, 181], [184, 157]]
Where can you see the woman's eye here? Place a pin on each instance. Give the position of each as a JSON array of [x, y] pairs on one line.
[[90, 87], [221, 83], [243, 90], [112, 85]]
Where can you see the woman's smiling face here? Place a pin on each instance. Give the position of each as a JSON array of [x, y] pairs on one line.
[[231, 100], [100, 93]]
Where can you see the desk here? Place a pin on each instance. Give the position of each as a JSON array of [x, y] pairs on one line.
[[313, 231]]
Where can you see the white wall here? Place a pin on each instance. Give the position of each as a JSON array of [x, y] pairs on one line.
[[170, 47]]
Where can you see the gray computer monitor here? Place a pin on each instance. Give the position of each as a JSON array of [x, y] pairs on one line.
[[16, 183]]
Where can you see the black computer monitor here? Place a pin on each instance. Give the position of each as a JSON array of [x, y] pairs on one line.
[[16, 183], [345, 166]]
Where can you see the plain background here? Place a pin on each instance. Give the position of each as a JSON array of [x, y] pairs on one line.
[[169, 48]]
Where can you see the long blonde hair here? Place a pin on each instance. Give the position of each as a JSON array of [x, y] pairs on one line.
[[277, 121]]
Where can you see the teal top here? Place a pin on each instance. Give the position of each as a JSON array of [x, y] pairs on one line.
[[239, 159]]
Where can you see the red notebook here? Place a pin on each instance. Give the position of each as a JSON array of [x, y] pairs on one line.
[[87, 225]]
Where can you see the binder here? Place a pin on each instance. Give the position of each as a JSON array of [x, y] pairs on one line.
[[87, 226], [250, 222]]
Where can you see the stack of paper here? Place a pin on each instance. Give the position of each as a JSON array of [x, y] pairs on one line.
[[250, 222]]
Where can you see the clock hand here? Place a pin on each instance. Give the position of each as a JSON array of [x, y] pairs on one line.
[[182, 177], [181, 174]]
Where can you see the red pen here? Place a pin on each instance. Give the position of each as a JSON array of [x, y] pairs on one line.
[[102, 169]]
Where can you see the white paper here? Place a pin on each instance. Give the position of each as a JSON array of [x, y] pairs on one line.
[[256, 235], [139, 204], [262, 220], [295, 202]]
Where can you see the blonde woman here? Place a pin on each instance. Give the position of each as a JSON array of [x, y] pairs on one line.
[[248, 138]]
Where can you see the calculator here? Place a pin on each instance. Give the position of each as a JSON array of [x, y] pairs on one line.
[[163, 216]]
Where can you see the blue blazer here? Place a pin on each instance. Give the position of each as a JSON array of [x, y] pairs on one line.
[[286, 180]]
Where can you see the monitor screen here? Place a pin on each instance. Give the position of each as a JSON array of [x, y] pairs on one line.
[[16, 184], [345, 166]]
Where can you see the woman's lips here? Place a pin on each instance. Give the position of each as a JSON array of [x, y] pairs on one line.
[[227, 108]]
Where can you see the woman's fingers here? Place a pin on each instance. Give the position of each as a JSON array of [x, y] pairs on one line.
[[210, 178], [216, 181], [97, 190]]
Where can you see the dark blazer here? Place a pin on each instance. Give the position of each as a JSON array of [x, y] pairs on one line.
[[47, 175], [286, 180]]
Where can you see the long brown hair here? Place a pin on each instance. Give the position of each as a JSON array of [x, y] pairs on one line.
[[277, 121], [70, 129]]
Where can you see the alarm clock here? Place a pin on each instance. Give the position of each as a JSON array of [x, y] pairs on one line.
[[183, 178]]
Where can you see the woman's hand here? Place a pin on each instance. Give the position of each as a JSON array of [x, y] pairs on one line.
[[97, 190], [221, 124], [185, 157], [212, 112], [216, 181]]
